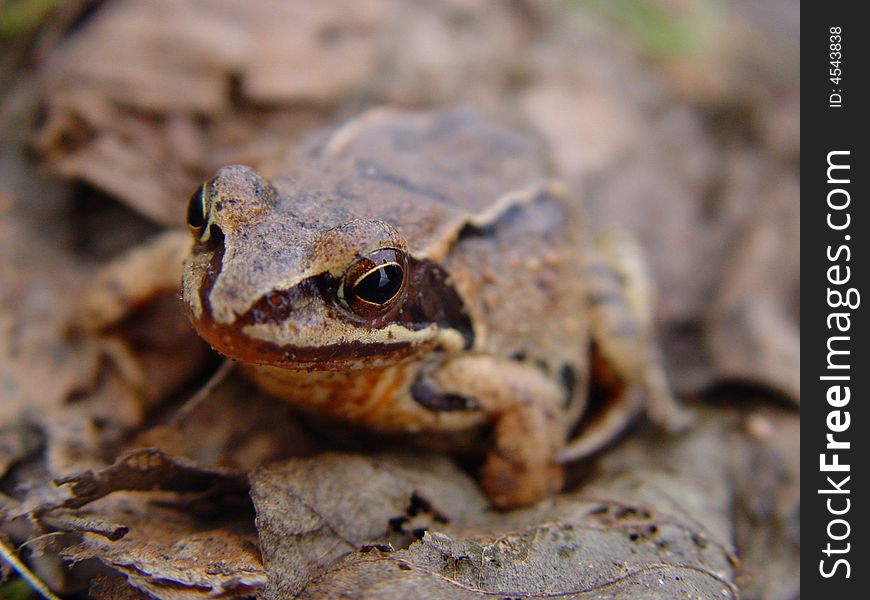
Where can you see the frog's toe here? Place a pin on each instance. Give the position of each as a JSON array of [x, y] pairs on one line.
[[509, 484]]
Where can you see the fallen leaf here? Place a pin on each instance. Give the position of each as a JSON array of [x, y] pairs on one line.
[[753, 331], [311, 512], [768, 503], [167, 554], [196, 85], [149, 469], [16, 444], [655, 519], [235, 427]]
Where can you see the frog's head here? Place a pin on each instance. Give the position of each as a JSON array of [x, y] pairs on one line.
[[294, 278]]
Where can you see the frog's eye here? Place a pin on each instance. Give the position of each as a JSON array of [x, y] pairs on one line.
[[196, 212], [374, 282], [199, 220]]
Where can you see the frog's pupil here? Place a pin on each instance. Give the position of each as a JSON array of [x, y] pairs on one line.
[[380, 286]]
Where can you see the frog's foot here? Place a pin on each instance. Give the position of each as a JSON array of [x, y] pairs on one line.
[[621, 321], [525, 406], [522, 468]]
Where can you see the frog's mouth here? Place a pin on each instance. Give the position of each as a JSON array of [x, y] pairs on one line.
[[343, 356]]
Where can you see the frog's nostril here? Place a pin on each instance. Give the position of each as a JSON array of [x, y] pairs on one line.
[[270, 308], [277, 301]]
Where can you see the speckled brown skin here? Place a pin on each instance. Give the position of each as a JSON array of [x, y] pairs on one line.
[[494, 319]]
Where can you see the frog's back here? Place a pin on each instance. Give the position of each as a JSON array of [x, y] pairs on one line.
[[477, 197], [427, 173]]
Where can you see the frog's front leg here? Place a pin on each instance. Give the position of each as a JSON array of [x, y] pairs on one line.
[[123, 285], [524, 405], [621, 324], [132, 280]]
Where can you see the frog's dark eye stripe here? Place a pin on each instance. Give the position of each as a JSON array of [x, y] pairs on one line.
[[374, 282], [196, 212]]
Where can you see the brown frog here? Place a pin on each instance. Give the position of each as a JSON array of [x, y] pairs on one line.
[[421, 272]]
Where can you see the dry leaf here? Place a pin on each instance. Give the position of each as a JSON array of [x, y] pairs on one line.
[[150, 469], [170, 555], [753, 330], [235, 427], [198, 84], [655, 520], [310, 512], [768, 503]]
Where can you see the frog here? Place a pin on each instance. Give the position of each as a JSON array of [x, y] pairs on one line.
[[425, 273]]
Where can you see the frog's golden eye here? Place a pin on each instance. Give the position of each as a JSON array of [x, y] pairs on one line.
[[374, 282], [196, 212]]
